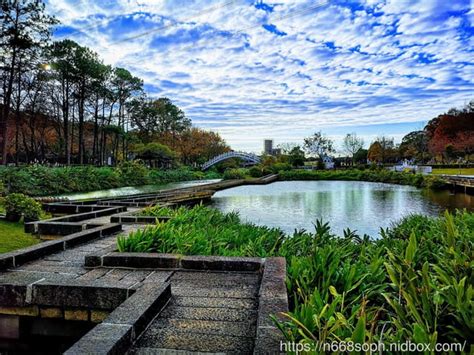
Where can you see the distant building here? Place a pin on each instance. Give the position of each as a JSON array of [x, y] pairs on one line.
[[276, 151], [328, 162], [268, 146]]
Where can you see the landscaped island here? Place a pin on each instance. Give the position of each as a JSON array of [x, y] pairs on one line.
[[413, 283]]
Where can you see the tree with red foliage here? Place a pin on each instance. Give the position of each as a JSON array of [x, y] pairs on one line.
[[452, 134]]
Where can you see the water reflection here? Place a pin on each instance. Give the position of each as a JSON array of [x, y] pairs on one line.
[[133, 190], [361, 206]]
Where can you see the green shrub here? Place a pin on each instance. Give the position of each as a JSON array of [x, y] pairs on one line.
[[278, 167], [212, 174], [36, 180], [17, 205], [434, 182], [231, 174], [255, 172], [133, 173], [373, 174]]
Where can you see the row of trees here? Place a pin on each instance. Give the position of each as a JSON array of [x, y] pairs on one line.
[[61, 103], [446, 138]]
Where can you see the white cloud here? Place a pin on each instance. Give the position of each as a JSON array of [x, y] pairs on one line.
[[390, 62]]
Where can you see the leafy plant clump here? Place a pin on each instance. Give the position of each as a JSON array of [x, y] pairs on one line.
[[413, 283], [18, 205], [201, 231]]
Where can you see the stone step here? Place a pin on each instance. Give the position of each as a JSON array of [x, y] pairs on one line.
[[220, 292], [241, 329], [210, 314], [229, 303], [169, 340]]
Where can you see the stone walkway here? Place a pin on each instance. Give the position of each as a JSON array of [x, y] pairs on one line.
[[68, 264]]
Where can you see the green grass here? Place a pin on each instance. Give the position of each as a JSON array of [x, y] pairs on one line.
[[12, 237], [413, 283], [452, 171]]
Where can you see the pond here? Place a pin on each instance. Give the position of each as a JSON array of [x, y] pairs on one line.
[[361, 206], [133, 190]]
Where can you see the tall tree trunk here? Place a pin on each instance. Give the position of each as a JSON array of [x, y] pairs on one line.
[[81, 122], [96, 129], [65, 109], [5, 112], [72, 130], [17, 119], [6, 109]]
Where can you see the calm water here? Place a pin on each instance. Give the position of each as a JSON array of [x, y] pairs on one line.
[[361, 206], [133, 190]]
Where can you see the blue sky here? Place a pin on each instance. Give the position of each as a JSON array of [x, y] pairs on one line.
[[284, 69]]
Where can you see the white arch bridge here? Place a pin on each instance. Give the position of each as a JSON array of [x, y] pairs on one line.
[[247, 157]]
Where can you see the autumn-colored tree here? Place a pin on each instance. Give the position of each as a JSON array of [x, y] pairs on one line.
[[452, 134], [195, 145], [374, 154]]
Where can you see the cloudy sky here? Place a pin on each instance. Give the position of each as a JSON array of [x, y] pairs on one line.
[[284, 69]]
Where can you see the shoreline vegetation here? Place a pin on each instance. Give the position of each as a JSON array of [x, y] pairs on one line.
[[412, 283], [37, 180], [370, 175]]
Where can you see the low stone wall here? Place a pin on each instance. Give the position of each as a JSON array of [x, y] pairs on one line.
[[172, 261], [118, 331], [21, 256], [133, 218], [73, 314], [70, 223]]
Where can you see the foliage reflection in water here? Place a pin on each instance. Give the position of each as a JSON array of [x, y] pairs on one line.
[[361, 206]]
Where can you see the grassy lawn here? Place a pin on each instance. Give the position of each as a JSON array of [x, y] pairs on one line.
[[13, 237], [469, 171]]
